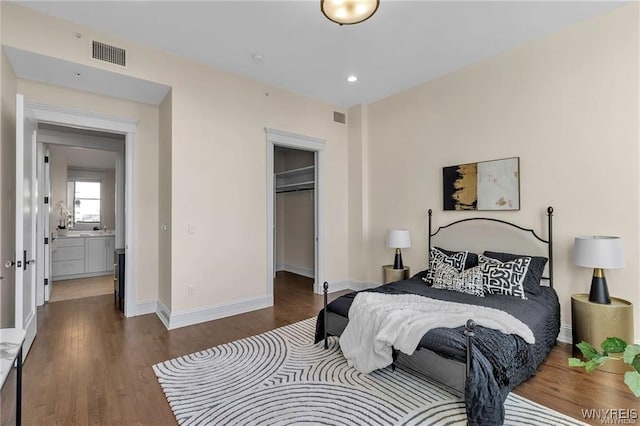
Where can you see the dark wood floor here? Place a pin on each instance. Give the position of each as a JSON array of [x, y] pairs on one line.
[[90, 365]]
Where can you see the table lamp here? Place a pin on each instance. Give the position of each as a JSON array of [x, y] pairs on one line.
[[398, 239], [599, 253]]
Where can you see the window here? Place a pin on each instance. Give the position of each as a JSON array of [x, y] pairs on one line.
[[86, 201]]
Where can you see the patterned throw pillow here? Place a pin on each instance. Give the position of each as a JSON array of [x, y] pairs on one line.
[[472, 258], [468, 281], [531, 282], [504, 277], [457, 260]]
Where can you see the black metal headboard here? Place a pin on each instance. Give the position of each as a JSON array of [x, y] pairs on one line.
[[533, 234]]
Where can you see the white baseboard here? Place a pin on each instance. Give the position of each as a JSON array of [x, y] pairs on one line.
[[361, 285], [144, 308], [349, 285], [565, 334], [339, 286], [300, 270], [163, 313], [173, 320]]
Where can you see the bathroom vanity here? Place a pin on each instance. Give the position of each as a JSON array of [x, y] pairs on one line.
[[82, 254]]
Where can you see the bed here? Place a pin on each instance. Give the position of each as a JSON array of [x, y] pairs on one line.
[[479, 363]]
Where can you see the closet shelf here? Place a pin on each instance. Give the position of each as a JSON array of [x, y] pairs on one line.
[[300, 179], [300, 186], [295, 172]]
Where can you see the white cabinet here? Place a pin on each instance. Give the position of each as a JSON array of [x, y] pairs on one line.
[[77, 257], [95, 259], [67, 257]]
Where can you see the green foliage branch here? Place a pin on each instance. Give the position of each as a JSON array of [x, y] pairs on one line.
[[612, 347]]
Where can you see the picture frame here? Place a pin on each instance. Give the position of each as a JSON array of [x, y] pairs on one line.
[[482, 186]]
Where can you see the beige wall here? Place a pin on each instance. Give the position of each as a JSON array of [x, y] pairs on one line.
[[164, 202], [280, 227], [8, 90], [298, 230], [145, 165], [358, 226], [567, 105], [219, 171], [553, 103], [218, 163]]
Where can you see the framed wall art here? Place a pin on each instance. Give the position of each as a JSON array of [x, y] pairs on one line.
[[487, 185]]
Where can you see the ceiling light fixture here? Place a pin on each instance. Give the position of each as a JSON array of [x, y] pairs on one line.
[[352, 79], [348, 12]]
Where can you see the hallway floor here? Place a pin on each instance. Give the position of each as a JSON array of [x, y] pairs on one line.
[[81, 287]]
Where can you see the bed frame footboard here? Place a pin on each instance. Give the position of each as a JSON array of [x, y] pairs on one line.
[[469, 332], [470, 326], [325, 291]]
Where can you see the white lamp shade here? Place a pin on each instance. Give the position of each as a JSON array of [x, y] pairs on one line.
[[398, 238], [597, 251]]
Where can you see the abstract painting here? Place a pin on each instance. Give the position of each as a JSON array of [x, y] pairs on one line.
[[487, 185]]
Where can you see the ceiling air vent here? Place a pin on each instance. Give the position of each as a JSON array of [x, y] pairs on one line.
[[106, 52], [339, 117]]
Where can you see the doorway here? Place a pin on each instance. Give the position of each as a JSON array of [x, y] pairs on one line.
[[304, 178], [294, 175], [82, 172], [80, 121]]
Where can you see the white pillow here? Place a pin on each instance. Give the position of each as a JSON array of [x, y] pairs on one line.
[[457, 260], [468, 281]]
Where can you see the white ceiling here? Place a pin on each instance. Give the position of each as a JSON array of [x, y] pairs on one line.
[[404, 44], [84, 158], [33, 66]]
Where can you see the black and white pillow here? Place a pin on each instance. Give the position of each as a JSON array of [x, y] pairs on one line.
[[457, 260], [504, 277], [531, 282], [468, 281], [472, 258]]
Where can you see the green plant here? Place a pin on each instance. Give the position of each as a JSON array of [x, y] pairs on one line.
[[612, 347]]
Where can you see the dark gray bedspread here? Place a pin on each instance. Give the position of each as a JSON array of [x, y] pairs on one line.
[[500, 361]]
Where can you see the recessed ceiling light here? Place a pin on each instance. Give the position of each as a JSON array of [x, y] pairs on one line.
[[352, 79]]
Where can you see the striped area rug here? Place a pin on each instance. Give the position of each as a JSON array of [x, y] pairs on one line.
[[281, 377]]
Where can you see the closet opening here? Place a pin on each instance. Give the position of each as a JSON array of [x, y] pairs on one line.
[[295, 211], [294, 181]]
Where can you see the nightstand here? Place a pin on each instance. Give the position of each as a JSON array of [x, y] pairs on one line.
[[390, 275], [594, 322]]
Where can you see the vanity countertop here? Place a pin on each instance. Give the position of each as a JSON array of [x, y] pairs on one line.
[[86, 234]]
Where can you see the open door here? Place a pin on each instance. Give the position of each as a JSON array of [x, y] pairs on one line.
[[25, 278]]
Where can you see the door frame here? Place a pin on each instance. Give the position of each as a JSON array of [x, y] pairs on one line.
[[43, 266], [305, 143], [125, 233]]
